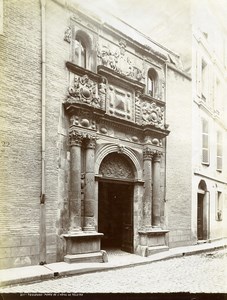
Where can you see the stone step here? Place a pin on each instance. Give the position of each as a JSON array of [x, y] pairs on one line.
[[156, 249], [84, 258]]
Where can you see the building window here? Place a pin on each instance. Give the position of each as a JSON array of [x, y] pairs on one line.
[[152, 82], [80, 53], [205, 142], [204, 80], [219, 151], [219, 205], [82, 49]]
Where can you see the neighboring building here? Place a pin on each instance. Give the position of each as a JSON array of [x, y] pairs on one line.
[[199, 125]]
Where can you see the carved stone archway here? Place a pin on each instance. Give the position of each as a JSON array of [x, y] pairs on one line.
[[115, 201], [117, 166]]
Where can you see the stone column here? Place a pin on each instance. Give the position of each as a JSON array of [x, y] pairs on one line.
[[156, 189], [76, 139], [147, 204], [89, 197]]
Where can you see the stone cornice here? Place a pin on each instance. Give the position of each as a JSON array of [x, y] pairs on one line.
[[130, 126], [149, 98], [181, 72], [102, 70], [81, 71]]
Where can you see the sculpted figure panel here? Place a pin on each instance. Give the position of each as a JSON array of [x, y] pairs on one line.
[[116, 166], [118, 60]]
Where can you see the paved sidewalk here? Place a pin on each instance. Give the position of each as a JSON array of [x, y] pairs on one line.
[[116, 260]]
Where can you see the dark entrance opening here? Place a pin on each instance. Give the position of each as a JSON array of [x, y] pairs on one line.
[[200, 217], [115, 215]]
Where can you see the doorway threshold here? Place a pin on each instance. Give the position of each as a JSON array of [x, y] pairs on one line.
[[202, 242]]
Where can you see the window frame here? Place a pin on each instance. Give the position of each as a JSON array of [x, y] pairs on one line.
[[205, 140], [152, 80], [219, 151], [219, 206]]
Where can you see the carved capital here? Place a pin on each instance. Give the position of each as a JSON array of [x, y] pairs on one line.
[[157, 156], [90, 141], [148, 153], [75, 137]]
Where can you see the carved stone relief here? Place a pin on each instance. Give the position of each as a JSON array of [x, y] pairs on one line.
[[120, 102], [83, 119], [116, 166], [152, 114], [68, 35], [85, 90], [118, 60]]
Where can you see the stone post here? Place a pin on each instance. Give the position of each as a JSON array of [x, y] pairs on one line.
[[76, 139], [156, 189], [89, 197], [147, 204]]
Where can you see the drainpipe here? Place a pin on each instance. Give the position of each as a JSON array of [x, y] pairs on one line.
[[165, 95], [43, 120], [165, 200]]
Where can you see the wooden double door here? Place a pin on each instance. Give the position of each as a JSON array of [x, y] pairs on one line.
[[115, 215]]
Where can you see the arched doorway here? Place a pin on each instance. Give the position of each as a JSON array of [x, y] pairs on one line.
[[115, 202], [202, 205]]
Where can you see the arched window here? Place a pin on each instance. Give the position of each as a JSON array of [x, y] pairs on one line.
[[80, 53], [152, 81], [82, 47]]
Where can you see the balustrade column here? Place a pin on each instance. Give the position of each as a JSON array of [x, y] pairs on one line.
[[89, 197], [147, 204], [75, 181], [156, 189]]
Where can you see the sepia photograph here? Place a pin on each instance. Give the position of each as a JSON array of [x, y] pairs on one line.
[[113, 149]]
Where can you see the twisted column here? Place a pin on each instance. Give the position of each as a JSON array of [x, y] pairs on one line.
[[147, 204], [156, 189], [76, 139], [89, 197]]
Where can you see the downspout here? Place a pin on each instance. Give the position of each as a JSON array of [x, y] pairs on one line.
[[165, 200], [43, 120]]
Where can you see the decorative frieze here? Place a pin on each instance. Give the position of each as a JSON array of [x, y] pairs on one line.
[[83, 119], [118, 60]]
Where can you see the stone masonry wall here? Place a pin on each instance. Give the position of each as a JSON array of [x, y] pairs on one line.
[[178, 159]]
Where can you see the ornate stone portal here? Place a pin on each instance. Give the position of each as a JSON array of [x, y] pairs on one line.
[[106, 108]]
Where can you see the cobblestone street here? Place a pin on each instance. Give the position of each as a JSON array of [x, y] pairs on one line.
[[206, 272]]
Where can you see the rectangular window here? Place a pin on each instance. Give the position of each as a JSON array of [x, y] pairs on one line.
[[205, 142], [204, 81], [219, 205], [219, 151]]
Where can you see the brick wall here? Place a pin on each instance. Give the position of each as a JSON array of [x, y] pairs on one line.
[[20, 126]]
